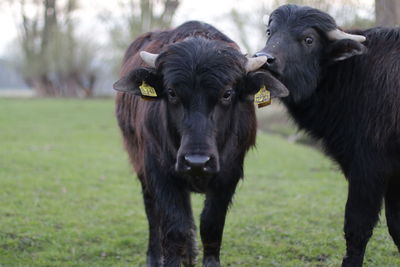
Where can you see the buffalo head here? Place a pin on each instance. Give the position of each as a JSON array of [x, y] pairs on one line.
[[302, 42], [201, 82]]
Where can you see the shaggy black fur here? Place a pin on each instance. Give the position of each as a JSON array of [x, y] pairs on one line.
[[346, 94], [192, 137]]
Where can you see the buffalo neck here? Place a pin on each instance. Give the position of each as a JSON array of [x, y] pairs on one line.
[[333, 112]]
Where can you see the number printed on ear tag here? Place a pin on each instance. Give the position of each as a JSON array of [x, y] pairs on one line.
[[147, 90], [262, 98]]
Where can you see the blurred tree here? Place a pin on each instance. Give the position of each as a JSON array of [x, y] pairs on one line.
[[239, 20], [135, 18], [387, 12], [51, 57]]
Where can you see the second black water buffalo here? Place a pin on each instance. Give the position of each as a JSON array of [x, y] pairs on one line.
[[345, 91]]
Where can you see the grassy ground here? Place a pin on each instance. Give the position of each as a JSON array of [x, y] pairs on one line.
[[68, 197]]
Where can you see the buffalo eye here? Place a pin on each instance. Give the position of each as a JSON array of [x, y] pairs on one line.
[[308, 40], [172, 97], [268, 32], [227, 96]]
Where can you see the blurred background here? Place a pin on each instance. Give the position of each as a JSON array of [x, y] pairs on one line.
[[73, 48], [67, 193]]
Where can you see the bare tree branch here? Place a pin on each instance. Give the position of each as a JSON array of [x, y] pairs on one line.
[[140, 16]]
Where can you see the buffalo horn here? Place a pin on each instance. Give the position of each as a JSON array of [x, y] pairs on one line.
[[339, 35], [149, 58], [254, 63]]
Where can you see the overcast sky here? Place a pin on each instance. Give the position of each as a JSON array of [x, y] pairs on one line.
[[212, 11]]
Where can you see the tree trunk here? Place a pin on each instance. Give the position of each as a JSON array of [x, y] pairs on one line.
[[43, 86], [50, 22], [387, 12]]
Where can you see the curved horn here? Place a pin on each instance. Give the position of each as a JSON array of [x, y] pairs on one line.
[[149, 58], [339, 35], [254, 63]]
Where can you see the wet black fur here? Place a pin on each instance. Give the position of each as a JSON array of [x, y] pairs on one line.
[[352, 106]]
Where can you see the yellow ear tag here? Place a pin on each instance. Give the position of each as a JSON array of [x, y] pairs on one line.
[[262, 98], [147, 90]]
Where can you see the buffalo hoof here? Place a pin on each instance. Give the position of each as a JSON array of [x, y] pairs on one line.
[[211, 262], [352, 262], [189, 261], [154, 262]]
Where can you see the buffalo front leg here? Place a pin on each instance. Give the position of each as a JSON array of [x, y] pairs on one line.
[[190, 251], [212, 225], [154, 256], [362, 212], [177, 237], [392, 208]]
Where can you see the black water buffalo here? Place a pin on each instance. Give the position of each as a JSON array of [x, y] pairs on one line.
[[345, 91], [187, 118]]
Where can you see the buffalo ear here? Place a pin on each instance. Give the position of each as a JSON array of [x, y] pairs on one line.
[[263, 78], [141, 82], [344, 49]]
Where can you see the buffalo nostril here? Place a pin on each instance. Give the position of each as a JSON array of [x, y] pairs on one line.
[[270, 59], [196, 161]]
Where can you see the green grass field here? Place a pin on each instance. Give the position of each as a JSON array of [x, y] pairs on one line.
[[68, 196]]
